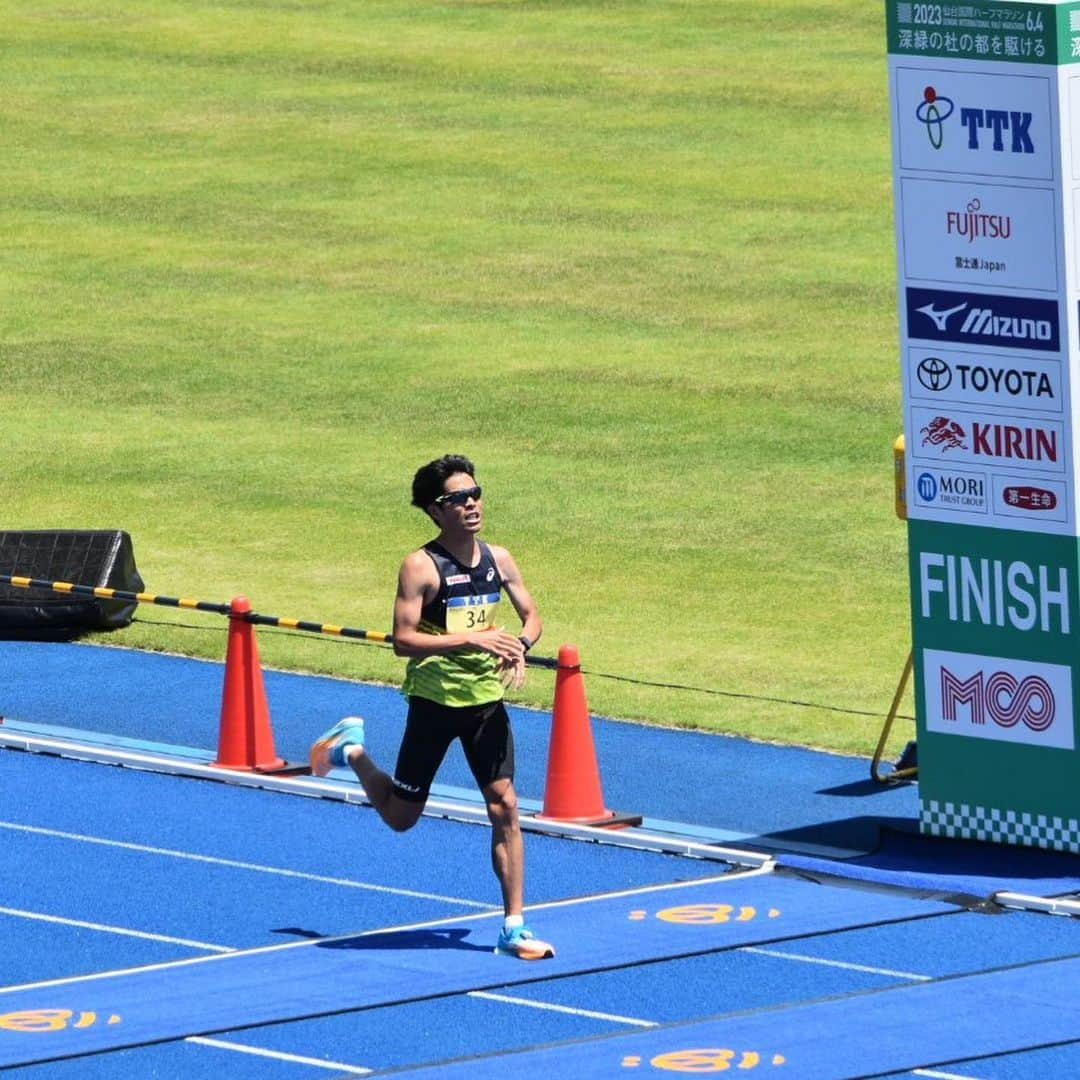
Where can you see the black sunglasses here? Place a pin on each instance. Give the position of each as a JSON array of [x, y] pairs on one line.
[[460, 498]]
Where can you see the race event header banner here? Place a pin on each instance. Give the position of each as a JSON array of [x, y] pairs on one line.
[[1005, 32]]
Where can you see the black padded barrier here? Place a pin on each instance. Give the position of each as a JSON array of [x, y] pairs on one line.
[[98, 557]]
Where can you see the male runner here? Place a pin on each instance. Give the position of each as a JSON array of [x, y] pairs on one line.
[[448, 621]]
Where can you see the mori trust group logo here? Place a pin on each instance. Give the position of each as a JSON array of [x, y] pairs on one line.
[[951, 490]]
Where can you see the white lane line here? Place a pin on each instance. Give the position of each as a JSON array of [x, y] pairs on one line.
[[488, 996], [104, 928], [221, 1044], [235, 864], [452, 920], [297, 1059], [941, 1075], [836, 963]]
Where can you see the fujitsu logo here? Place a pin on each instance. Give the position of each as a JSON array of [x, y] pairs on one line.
[[974, 224]]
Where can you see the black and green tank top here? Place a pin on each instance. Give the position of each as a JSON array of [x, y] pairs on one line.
[[468, 599]]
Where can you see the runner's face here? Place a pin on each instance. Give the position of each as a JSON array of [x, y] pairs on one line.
[[467, 515]]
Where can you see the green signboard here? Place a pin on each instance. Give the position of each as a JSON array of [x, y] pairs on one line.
[[984, 98], [1007, 32]]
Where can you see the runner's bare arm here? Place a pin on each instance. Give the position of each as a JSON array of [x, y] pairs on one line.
[[528, 612], [418, 582]]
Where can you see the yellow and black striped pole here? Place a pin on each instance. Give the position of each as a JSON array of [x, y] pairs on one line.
[[104, 593]]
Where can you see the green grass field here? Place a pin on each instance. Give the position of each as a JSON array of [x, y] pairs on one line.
[[263, 259]]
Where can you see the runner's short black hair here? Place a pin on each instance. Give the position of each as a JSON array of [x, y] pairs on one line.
[[428, 483]]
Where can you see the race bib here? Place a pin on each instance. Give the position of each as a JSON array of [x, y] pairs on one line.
[[468, 613]]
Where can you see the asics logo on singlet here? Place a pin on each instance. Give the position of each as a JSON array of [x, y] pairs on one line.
[[491, 574]]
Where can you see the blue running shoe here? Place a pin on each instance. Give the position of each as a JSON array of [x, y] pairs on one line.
[[327, 753], [524, 944]]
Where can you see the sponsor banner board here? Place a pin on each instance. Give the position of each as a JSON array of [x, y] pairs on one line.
[[1003, 33], [985, 115], [1034, 504], [1029, 499], [995, 626], [1073, 99], [946, 377], [979, 234], [974, 123], [987, 320], [993, 697], [958, 437], [992, 593], [951, 491]]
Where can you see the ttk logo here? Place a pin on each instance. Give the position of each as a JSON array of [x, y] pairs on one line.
[[983, 319], [1003, 130], [1004, 700]]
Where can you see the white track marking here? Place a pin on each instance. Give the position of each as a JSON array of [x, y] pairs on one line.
[[104, 928], [488, 996], [835, 963], [941, 1075], [258, 1051], [236, 864], [449, 921]]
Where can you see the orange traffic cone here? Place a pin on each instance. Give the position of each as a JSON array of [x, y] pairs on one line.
[[245, 740], [573, 791]]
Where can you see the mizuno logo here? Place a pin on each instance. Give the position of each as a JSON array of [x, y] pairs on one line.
[[983, 318], [940, 318], [983, 321]]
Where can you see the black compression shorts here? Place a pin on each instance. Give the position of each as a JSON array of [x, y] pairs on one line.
[[430, 728]]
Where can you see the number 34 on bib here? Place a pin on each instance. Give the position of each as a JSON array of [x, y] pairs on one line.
[[465, 613]]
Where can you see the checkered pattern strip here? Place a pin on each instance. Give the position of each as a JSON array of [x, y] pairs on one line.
[[991, 824]]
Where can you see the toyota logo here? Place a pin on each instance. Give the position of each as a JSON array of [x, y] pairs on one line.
[[934, 374]]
